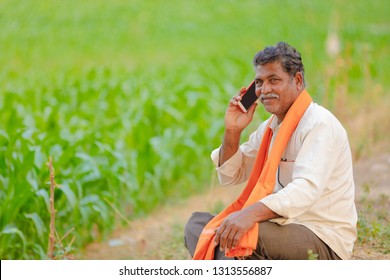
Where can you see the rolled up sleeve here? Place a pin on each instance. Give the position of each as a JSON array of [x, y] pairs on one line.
[[229, 172], [237, 169]]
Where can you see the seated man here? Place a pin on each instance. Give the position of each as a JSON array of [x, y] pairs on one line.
[[299, 198]]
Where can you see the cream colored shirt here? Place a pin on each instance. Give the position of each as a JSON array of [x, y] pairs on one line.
[[314, 182]]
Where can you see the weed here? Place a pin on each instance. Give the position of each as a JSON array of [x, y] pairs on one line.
[[373, 226], [311, 255], [56, 249]]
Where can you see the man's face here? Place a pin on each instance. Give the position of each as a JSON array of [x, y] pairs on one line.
[[277, 89]]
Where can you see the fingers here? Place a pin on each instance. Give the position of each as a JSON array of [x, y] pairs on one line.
[[236, 239], [218, 234], [224, 239], [234, 100], [231, 238], [227, 237]]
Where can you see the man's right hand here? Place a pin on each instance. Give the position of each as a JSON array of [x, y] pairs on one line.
[[235, 122], [235, 119]]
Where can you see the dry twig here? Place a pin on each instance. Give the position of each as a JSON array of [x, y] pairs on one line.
[[52, 239]]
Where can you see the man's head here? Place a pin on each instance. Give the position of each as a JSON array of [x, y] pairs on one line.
[[288, 56], [279, 78]]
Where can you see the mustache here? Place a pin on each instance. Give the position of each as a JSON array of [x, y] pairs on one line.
[[268, 95]]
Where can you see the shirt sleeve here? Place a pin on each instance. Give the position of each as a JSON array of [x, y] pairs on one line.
[[237, 169], [312, 169]]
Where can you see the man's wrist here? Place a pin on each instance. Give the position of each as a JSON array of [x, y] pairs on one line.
[[234, 133], [231, 139], [263, 213], [230, 145]]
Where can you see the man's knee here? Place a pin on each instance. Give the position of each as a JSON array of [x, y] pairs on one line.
[[194, 228], [196, 223]]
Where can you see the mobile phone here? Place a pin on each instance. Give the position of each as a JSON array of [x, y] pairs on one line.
[[248, 98]]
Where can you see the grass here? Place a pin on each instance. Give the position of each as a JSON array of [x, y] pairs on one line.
[[172, 248], [373, 223], [128, 99]]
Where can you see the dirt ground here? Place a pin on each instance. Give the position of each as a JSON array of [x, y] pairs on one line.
[[145, 237]]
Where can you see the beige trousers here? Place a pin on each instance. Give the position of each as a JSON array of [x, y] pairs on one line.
[[275, 242]]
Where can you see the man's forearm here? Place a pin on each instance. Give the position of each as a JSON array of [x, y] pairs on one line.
[[230, 145], [262, 212]]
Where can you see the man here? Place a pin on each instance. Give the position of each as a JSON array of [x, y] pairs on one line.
[[299, 199]]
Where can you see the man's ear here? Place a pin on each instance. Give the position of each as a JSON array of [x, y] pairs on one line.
[[298, 79]]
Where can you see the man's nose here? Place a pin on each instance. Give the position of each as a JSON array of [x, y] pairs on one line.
[[266, 88]]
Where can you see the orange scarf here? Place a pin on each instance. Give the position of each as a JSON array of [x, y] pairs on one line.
[[260, 184]]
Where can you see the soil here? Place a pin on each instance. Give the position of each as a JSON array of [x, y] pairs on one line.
[[145, 237]]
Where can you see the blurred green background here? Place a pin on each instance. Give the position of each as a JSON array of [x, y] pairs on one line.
[[128, 98]]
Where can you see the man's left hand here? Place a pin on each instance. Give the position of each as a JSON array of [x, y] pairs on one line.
[[234, 227]]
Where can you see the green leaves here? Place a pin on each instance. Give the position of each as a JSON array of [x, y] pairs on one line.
[[112, 138], [40, 227], [16, 244]]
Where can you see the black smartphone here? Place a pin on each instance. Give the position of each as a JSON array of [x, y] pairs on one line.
[[248, 98]]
